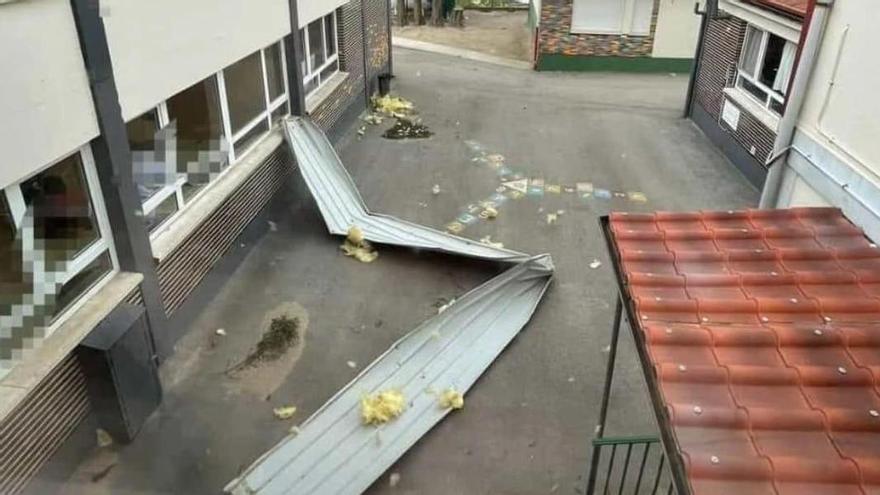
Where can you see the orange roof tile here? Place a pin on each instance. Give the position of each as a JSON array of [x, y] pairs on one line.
[[762, 328]]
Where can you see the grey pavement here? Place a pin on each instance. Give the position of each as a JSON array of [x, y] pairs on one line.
[[527, 423]]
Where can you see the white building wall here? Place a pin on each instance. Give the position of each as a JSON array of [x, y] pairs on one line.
[[160, 47], [678, 29], [309, 10], [45, 100], [836, 150]]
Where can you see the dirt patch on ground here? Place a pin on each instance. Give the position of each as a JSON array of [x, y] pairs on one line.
[[503, 34], [274, 355]]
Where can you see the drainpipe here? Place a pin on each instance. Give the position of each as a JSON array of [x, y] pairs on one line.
[[707, 13], [806, 59]]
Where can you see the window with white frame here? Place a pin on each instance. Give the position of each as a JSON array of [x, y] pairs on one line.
[[55, 247], [765, 68], [612, 16], [189, 140], [321, 48]]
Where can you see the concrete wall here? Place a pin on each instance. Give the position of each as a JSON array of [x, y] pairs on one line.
[[160, 47], [45, 101], [309, 10], [678, 29]]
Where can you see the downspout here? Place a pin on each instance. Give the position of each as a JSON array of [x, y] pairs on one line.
[[707, 13], [806, 60]]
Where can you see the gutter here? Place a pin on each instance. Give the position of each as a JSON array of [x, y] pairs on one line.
[[808, 51]]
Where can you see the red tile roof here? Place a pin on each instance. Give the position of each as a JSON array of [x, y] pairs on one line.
[[797, 8], [763, 331]]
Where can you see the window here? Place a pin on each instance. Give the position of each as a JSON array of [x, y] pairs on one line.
[[189, 140], [322, 52], [612, 16], [765, 68], [69, 233]]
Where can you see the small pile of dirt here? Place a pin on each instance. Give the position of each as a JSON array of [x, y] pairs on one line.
[[382, 407], [406, 128], [392, 106], [283, 333], [357, 247]]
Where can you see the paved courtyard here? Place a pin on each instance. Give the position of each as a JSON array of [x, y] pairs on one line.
[[527, 423]]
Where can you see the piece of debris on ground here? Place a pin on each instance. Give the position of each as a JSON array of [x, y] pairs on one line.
[[382, 407], [373, 119], [392, 106], [451, 399], [435, 189], [443, 304], [357, 247], [351, 364], [283, 333], [595, 264], [104, 438], [221, 332], [102, 473], [394, 479], [489, 213], [284, 412], [487, 240], [407, 128], [552, 218]]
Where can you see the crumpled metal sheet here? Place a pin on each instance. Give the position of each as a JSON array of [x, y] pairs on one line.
[[334, 453], [341, 204]]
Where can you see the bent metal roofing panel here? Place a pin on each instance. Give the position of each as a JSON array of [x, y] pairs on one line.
[[762, 328]]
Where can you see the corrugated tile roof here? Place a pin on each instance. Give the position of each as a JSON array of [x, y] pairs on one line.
[[797, 8], [763, 331]]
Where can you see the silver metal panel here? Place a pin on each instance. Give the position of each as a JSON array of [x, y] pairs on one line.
[[334, 453], [342, 207]]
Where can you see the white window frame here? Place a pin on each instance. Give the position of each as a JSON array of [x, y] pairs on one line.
[[627, 21], [176, 189], [315, 72], [741, 75], [104, 242]]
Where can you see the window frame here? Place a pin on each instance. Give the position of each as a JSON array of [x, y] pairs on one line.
[[753, 78], [103, 244], [265, 116], [313, 72], [626, 23]]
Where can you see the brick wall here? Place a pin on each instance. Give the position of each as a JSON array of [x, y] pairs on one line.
[[377, 31], [721, 51], [555, 36]]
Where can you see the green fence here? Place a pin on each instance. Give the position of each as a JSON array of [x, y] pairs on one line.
[[630, 466]]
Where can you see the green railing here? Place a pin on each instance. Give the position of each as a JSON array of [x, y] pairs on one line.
[[492, 4], [629, 466]]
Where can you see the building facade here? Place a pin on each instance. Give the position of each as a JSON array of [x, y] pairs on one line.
[[833, 157], [747, 61], [627, 35], [140, 147]]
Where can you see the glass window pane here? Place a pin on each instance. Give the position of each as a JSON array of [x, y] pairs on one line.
[[148, 173], [330, 35], [329, 71], [304, 66], [777, 106], [753, 89], [772, 57], [82, 282], [142, 131], [279, 113], [316, 44], [195, 118], [248, 139], [311, 85], [274, 71], [12, 283], [751, 49], [63, 214], [244, 91], [161, 212]]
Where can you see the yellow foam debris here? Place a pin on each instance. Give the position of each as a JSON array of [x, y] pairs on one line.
[[357, 247], [382, 407], [393, 106], [285, 412], [451, 399]]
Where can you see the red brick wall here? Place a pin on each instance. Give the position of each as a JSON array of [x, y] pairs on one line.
[[721, 51]]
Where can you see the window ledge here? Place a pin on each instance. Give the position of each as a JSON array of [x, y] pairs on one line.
[[180, 228], [318, 97], [764, 115], [27, 374]]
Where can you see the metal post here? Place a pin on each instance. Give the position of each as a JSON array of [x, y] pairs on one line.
[[113, 162], [606, 394], [294, 53]]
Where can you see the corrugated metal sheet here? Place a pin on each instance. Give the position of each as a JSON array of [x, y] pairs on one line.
[[335, 454], [342, 206]]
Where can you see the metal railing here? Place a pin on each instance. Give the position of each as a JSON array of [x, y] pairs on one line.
[[492, 4], [643, 469]]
